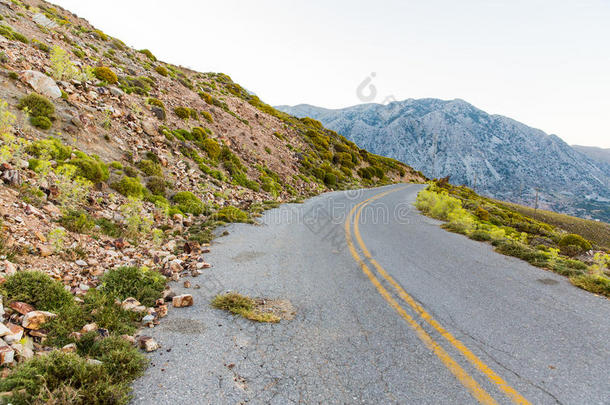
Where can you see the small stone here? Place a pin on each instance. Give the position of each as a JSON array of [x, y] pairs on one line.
[[187, 284], [184, 300], [45, 250], [9, 268], [21, 307], [90, 327], [115, 91], [7, 355], [158, 112], [94, 362], [75, 335], [69, 348], [148, 344], [148, 320], [129, 338], [15, 335], [130, 303], [34, 319], [162, 311], [81, 263]]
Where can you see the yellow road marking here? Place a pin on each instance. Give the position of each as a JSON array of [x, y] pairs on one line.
[[467, 381], [489, 373]]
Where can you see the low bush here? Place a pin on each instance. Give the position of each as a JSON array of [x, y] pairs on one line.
[[37, 106], [90, 168], [143, 284], [593, 283], [212, 148], [64, 378], [105, 74], [574, 240], [156, 185], [244, 306], [129, 187], [148, 54], [37, 289], [188, 202], [77, 221], [50, 148], [230, 214], [41, 122], [183, 112], [162, 70], [150, 168], [156, 102], [207, 116]]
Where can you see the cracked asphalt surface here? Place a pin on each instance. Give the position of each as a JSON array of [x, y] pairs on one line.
[[547, 339]]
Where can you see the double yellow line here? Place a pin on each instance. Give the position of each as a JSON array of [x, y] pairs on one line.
[[465, 379]]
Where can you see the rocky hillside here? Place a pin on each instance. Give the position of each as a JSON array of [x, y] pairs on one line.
[[498, 156], [115, 167]]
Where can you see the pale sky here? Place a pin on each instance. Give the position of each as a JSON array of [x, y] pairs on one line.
[[544, 63]]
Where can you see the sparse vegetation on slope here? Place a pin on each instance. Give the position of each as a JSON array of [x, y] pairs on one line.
[[513, 234]]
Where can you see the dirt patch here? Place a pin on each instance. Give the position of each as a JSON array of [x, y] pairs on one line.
[[547, 281], [279, 307]]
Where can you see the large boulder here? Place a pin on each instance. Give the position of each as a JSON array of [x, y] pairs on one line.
[[42, 83]]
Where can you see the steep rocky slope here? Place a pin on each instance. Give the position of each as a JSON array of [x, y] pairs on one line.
[[112, 162], [499, 156]]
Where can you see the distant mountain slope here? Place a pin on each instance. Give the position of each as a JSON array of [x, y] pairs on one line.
[[600, 155], [499, 156]]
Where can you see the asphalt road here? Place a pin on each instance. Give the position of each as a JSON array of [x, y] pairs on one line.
[[390, 309]]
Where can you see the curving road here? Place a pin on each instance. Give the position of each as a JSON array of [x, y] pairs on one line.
[[390, 309]]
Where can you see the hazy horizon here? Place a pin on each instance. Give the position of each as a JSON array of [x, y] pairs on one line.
[[542, 63]]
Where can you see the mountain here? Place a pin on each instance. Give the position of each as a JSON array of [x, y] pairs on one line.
[[599, 155], [498, 156]]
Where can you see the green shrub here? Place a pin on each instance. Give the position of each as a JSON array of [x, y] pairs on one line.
[[140, 283], [188, 202], [593, 283], [183, 112], [230, 214], [116, 165], [50, 148], [161, 70], [573, 239], [148, 54], [41, 122], [77, 221], [207, 116], [105, 74], [156, 185], [150, 168], [198, 134], [63, 378], [480, 235], [330, 179], [91, 169], [129, 187], [212, 148], [156, 102], [37, 105], [37, 289]]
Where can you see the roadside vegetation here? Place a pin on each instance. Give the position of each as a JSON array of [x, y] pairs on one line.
[[89, 358], [550, 246], [244, 306]]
